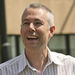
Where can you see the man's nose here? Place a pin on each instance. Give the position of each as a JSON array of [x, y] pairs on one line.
[[31, 26]]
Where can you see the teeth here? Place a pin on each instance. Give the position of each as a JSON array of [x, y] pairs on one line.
[[32, 37]]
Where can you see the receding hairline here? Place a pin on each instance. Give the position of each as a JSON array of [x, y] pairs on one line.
[[37, 5], [50, 14]]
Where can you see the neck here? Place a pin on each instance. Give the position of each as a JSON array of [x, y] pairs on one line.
[[37, 58]]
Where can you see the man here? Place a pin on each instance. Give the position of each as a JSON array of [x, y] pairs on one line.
[[36, 29]]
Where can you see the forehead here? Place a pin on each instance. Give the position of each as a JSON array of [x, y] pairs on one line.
[[34, 12]]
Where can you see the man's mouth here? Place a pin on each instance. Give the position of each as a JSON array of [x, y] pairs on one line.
[[32, 38]]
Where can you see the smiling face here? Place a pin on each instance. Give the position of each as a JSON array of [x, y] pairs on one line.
[[35, 28]]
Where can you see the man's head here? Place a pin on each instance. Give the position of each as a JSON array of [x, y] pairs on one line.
[[50, 16], [37, 26]]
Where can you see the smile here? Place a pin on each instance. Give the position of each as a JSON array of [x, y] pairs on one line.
[[32, 38]]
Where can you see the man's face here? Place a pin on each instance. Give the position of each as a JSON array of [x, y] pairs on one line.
[[35, 28]]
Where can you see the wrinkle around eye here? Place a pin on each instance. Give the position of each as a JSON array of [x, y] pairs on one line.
[[38, 24], [26, 23]]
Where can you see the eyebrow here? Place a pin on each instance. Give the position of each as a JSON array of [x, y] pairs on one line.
[[34, 19], [26, 19]]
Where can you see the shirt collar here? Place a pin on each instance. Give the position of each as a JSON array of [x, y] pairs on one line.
[[52, 57]]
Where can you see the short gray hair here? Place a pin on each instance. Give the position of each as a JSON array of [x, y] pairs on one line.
[[50, 15]]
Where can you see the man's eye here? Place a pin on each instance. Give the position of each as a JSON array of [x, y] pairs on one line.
[[26, 23], [38, 23]]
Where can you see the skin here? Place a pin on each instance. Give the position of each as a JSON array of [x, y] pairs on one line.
[[35, 35]]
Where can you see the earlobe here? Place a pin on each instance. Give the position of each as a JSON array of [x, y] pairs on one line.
[[52, 30]]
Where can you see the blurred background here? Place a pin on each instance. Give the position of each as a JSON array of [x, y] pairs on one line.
[[10, 21]]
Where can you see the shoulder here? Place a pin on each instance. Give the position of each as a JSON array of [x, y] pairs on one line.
[[11, 61], [9, 65], [65, 58], [67, 61]]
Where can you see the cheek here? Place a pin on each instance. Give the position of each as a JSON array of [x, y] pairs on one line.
[[43, 30], [42, 34], [23, 33], [39, 31]]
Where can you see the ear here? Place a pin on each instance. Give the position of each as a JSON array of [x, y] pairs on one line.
[[52, 30]]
